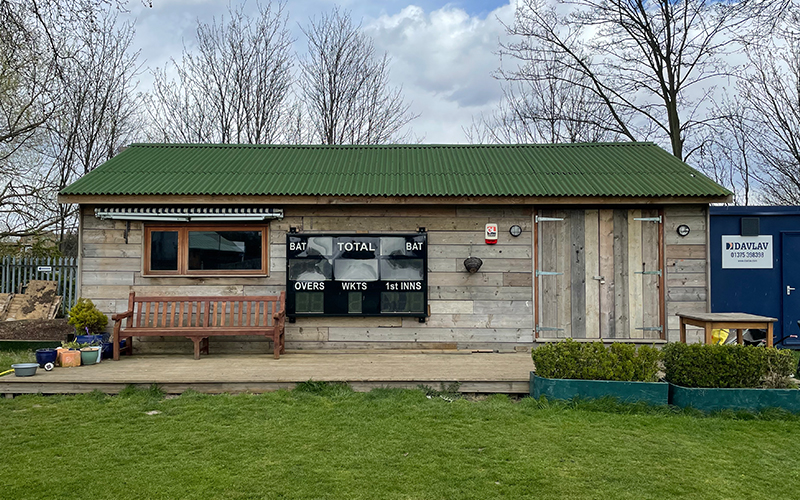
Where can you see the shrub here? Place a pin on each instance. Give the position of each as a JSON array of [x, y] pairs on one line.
[[726, 366], [593, 361], [85, 317]]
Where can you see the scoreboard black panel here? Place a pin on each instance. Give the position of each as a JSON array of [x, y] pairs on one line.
[[357, 275]]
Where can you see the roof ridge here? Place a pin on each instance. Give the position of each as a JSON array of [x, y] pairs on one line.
[[384, 146]]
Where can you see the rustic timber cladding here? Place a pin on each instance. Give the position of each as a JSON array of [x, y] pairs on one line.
[[686, 262], [599, 273], [492, 309], [598, 256]]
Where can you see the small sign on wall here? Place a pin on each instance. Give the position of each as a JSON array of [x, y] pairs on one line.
[[747, 252]]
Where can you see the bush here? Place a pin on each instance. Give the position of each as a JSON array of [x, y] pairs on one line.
[[86, 318], [593, 361], [726, 366]]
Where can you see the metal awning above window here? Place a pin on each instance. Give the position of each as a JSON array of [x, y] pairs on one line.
[[189, 214]]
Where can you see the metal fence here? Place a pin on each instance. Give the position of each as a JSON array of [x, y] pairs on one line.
[[16, 272]]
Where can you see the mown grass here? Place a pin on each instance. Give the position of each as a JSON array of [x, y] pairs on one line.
[[8, 358], [325, 441]]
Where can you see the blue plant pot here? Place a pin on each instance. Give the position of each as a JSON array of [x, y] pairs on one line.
[[108, 350], [92, 339], [44, 356]]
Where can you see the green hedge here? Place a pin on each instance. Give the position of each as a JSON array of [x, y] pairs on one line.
[[595, 361], [727, 366]]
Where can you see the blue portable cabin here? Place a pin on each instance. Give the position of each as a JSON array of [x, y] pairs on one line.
[[755, 265]]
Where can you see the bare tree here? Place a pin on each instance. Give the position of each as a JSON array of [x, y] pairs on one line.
[[539, 108], [89, 113], [233, 88], [99, 110], [771, 95], [651, 64], [345, 86]]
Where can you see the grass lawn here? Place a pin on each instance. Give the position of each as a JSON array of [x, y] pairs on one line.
[[328, 442]]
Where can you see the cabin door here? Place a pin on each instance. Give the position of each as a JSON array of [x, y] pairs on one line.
[[599, 274]]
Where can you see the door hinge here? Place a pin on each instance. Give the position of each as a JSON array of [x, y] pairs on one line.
[[649, 219], [547, 273], [548, 219]]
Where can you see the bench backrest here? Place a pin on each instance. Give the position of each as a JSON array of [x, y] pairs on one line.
[[204, 312]]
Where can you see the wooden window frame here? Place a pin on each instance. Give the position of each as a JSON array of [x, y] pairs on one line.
[[183, 249]]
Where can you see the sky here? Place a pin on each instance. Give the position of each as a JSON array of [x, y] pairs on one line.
[[443, 54]]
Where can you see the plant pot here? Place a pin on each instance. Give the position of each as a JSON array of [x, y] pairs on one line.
[[92, 339], [25, 369], [44, 356], [656, 393], [68, 357], [708, 399], [90, 355], [107, 350]]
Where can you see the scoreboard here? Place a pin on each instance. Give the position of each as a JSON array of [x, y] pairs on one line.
[[357, 275]]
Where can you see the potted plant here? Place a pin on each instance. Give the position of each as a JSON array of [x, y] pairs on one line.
[[68, 354], [568, 369], [89, 322], [730, 377], [90, 354]]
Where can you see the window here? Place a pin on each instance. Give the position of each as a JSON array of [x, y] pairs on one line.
[[207, 250]]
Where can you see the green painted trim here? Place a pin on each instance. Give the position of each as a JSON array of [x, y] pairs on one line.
[[711, 399], [656, 393]]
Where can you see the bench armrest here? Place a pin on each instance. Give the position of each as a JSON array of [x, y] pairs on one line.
[[121, 316]]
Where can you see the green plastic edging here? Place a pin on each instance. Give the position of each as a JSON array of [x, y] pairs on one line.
[[656, 393], [708, 399], [25, 345]]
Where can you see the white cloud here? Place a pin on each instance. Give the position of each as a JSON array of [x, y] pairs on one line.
[[444, 59], [442, 54]]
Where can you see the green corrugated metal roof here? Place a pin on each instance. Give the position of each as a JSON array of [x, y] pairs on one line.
[[596, 169]]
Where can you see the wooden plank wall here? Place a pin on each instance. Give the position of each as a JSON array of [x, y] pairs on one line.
[[603, 289], [686, 261], [491, 309]]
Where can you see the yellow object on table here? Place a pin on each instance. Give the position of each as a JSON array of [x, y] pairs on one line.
[[719, 335]]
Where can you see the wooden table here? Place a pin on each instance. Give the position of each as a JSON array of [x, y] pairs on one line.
[[730, 321]]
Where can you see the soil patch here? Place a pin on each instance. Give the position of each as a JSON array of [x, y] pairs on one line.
[[36, 329]]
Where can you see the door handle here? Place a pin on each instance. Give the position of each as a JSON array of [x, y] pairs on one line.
[[789, 290]]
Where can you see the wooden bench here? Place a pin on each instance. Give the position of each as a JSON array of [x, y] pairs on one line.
[[198, 318]]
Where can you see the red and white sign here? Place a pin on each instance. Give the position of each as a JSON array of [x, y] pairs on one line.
[[491, 234]]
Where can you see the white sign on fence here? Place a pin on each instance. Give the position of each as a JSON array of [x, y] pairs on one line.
[[747, 252], [44, 269]]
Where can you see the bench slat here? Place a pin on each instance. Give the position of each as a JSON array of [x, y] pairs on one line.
[[235, 298], [198, 318]]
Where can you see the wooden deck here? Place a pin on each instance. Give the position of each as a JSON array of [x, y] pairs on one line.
[[506, 373]]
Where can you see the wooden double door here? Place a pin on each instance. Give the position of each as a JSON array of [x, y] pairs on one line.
[[599, 273]]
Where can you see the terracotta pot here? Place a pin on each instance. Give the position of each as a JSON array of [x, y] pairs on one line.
[[67, 358]]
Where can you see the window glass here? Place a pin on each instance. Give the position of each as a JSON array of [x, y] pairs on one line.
[[393, 246], [408, 246], [164, 250], [317, 246], [310, 302], [354, 301], [395, 302], [310, 270], [402, 270], [223, 250], [355, 270]]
